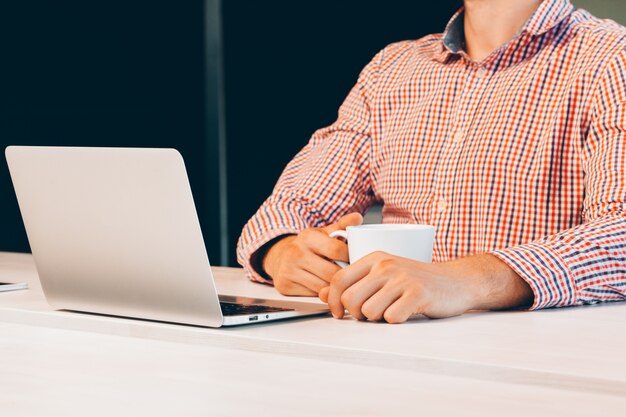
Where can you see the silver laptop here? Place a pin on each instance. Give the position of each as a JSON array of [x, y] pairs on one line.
[[115, 231]]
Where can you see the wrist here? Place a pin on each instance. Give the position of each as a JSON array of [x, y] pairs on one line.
[[472, 280], [269, 253]]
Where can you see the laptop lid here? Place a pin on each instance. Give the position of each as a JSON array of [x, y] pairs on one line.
[[110, 227]]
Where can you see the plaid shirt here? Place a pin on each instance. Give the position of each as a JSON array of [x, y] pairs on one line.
[[522, 155]]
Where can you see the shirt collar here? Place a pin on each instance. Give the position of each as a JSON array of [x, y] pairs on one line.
[[454, 35], [549, 14]]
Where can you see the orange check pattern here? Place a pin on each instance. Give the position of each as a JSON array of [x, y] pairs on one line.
[[522, 155]]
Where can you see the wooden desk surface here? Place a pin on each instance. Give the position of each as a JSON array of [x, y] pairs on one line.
[[567, 361]]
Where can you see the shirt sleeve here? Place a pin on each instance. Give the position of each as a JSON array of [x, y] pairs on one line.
[[327, 179], [587, 263]]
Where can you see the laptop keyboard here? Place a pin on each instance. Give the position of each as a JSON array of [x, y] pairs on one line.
[[232, 309]]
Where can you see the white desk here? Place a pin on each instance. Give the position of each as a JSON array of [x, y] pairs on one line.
[[556, 362]]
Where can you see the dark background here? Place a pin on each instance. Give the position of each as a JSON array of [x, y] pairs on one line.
[[157, 73], [288, 67]]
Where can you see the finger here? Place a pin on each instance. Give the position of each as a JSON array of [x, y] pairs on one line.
[[320, 267], [295, 289], [343, 280], [326, 246], [354, 297], [400, 310], [323, 294], [374, 307], [310, 281], [302, 291], [352, 219]]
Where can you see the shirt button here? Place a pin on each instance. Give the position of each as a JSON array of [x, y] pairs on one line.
[[442, 205], [481, 72], [458, 136]]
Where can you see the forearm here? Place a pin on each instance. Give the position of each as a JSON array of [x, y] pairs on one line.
[[492, 284], [328, 178]]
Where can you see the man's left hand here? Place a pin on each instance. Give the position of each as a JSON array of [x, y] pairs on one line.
[[383, 286]]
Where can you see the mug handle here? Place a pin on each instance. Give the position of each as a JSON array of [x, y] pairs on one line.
[[343, 234]]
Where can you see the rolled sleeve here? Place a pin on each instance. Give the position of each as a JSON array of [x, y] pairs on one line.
[[543, 269], [586, 264]]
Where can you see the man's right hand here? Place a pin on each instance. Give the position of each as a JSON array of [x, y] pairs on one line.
[[303, 264]]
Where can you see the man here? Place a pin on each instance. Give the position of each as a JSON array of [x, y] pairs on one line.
[[507, 133]]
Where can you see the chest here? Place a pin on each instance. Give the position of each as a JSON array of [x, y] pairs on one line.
[[461, 128]]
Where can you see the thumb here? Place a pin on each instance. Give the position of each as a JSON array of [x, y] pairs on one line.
[[323, 294], [352, 219]]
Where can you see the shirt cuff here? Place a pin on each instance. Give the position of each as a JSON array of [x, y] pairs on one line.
[[545, 271]]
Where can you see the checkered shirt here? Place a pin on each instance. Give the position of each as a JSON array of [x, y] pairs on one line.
[[522, 155]]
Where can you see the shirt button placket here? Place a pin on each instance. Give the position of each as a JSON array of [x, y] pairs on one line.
[[442, 205]]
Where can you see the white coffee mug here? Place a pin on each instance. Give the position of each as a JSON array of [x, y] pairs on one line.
[[413, 241]]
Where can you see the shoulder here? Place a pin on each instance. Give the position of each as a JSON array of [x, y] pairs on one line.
[[602, 38], [405, 55], [602, 46], [399, 52]]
